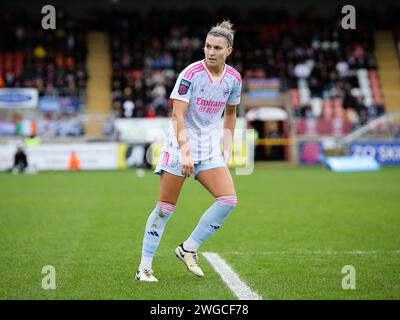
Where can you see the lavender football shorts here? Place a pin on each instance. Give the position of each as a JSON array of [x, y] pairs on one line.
[[171, 164]]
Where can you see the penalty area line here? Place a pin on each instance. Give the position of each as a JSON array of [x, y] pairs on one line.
[[230, 277]]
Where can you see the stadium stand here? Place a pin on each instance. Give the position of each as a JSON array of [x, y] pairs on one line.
[[329, 73], [53, 62], [389, 70], [325, 68]]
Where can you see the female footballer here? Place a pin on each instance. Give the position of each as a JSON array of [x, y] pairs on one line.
[[203, 91]]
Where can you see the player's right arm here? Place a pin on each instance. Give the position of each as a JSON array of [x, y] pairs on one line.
[[179, 109], [181, 95]]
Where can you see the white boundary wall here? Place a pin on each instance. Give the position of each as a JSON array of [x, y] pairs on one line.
[[95, 156]]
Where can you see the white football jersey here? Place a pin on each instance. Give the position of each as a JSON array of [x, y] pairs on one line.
[[207, 99]]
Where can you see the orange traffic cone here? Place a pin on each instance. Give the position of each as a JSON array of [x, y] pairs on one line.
[[73, 163]]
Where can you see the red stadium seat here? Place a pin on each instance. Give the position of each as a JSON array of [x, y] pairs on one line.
[[327, 110]]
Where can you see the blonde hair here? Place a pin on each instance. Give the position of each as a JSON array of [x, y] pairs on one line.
[[223, 29]]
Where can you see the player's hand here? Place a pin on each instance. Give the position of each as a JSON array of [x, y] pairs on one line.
[[227, 155], [187, 167]]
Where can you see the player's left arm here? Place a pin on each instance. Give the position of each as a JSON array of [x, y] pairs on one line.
[[229, 129], [230, 118]]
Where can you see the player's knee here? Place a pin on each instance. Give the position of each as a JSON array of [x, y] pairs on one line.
[[229, 201]]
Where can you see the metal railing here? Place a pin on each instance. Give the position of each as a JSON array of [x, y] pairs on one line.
[[386, 127]]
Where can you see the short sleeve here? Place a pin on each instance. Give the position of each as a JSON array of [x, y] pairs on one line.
[[183, 89], [234, 97]]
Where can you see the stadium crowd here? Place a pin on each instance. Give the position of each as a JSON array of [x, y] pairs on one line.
[[329, 72], [53, 61], [323, 65]]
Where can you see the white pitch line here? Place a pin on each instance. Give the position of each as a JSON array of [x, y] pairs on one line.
[[230, 277]]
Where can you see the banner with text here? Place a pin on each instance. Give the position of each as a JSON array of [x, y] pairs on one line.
[[384, 152], [19, 98]]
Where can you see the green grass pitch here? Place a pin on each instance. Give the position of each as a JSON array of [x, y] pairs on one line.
[[289, 238]]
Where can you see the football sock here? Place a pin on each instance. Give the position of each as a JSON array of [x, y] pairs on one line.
[[190, 245], [210, 221], [154, 230]]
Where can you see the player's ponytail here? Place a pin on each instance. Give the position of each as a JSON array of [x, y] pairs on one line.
[[223, 29]]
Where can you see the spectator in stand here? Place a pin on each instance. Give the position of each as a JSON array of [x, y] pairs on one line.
[[352, 117], [360, 105], [150, 112], [342, 67], [117, 109], [139, 110], [306, 111], [302, 69], [128, 107], [362, 110], [363, 115]]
